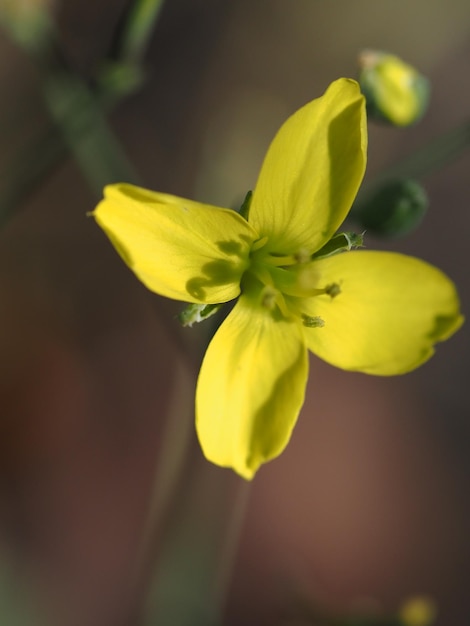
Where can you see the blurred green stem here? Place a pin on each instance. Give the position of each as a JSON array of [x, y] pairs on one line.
[[86, 132], [432, 156], [136, 31], [194, 569], [75, 109]]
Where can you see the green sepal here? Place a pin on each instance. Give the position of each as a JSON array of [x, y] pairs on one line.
[[341, 242], [245, 207], [195, 313]]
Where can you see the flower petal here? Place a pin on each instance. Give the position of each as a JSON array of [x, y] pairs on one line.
[[178, 248], [312, 171], [251, 388], [389, 313]]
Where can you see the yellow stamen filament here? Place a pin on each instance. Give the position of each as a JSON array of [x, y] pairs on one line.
[[291, 276], [262, 274], [302, 256], [281, 261], [257, 245], [268, 297]]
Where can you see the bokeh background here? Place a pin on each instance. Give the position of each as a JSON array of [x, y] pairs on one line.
[[369, 504]]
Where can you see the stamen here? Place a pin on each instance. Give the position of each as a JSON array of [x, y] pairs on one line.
[[268, 297], [333, 290], [281, 303], [259, 244], [262, 274], [312, 321], [281, 261], [302, 256]]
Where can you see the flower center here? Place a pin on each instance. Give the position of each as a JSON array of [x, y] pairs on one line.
[[280, 281]]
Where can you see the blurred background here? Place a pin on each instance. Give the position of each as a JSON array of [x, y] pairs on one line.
[[100, 472]]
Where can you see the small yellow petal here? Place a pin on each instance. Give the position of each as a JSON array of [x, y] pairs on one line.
[[251, 388], [389, 313], [178, 248], [312, 171]]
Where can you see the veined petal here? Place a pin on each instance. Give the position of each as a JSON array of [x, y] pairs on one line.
[[251, 388], [390, 312], [312, 171], [178, 248]]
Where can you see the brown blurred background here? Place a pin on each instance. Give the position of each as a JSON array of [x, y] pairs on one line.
[[369, 504]]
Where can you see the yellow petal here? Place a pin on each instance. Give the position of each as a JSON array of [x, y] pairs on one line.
[[250, 389], [178, 248], [312, 171], [389, 313]]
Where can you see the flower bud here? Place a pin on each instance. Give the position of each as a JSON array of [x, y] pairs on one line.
[[418, 611], [395, 92], [393, 209], [27, 21]]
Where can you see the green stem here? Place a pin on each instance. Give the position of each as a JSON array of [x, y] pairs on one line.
[[394, 203], [137, 30], [194, 569], [434, 155], [85, 131], [430, 157], [227, 558], [75, 109], [81, 129]]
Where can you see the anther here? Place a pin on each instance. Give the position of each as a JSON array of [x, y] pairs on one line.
[[333, 290], [313, 322], [268, 297], [257, 245], [302, 256]]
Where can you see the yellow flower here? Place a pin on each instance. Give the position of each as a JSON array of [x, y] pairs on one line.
[[374, 312]]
